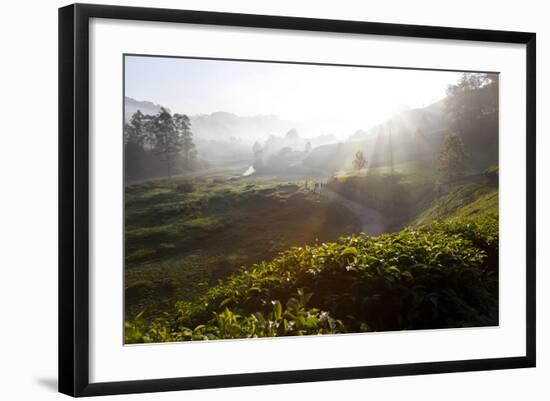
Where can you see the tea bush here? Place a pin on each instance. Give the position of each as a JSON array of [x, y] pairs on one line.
[[439, 275]]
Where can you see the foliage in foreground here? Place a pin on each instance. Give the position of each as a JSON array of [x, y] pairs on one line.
[[185, 234], [439, 275]]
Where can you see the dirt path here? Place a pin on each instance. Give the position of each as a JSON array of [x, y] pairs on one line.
[[372, 221]]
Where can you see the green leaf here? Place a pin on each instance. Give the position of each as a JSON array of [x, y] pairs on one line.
[[393, 269], [350, 250], [277, 310], [225, 301]]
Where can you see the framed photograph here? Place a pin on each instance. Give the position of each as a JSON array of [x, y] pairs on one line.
[[251, 199]]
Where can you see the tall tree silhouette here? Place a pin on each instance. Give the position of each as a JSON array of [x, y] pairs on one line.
[[452, 158], [168, 142], [135, 139], [183, 131], [472, 112], [135, 132]]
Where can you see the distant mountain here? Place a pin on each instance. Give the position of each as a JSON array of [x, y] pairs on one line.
[[227, 137], [220, 126], [428, 119], [224, 126], [132, 105], [415, 134]]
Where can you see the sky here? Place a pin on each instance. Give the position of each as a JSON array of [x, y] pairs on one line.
[[343, 98]]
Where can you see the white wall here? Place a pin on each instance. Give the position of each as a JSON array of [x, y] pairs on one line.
[[28, 199]]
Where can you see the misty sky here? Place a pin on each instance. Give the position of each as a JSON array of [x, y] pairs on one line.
[[343, 98]]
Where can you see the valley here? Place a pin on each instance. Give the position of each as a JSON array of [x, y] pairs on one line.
[[331, 206]]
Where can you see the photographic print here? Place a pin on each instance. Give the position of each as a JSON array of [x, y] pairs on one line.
[[268, 199]]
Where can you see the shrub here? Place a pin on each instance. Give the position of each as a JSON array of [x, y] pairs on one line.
[[439, 275], [185, 187], [137, 290]]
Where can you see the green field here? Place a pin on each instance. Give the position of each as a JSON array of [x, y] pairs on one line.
[[186, 233], [210, 257]]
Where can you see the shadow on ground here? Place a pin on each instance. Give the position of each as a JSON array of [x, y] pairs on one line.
[[48, 382]]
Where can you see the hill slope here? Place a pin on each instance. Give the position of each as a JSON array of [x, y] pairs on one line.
[[464, 201], [437, 275], [184, 234]]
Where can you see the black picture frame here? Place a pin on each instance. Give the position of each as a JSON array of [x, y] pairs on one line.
[[74, 200]]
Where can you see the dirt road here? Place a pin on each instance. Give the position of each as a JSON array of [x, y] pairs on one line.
[[372, 221]]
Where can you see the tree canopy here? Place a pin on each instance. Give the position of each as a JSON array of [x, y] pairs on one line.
[[452, 158], [472, 112], [158, 144]]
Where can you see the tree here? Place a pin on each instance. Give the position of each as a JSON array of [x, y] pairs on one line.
[[452, 158], [285, 152], [135, 132], [472, 111], [155, 144], [292, 134], [135, 140], [359, 162], [256, 147], [473, 100], [168, 141], [183, 131]]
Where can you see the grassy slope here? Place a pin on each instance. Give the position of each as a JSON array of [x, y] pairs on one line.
[[463, 201], [437, 276], [431, 276], [185, 234]]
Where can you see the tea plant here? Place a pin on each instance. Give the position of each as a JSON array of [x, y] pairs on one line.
[[443, 274]]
